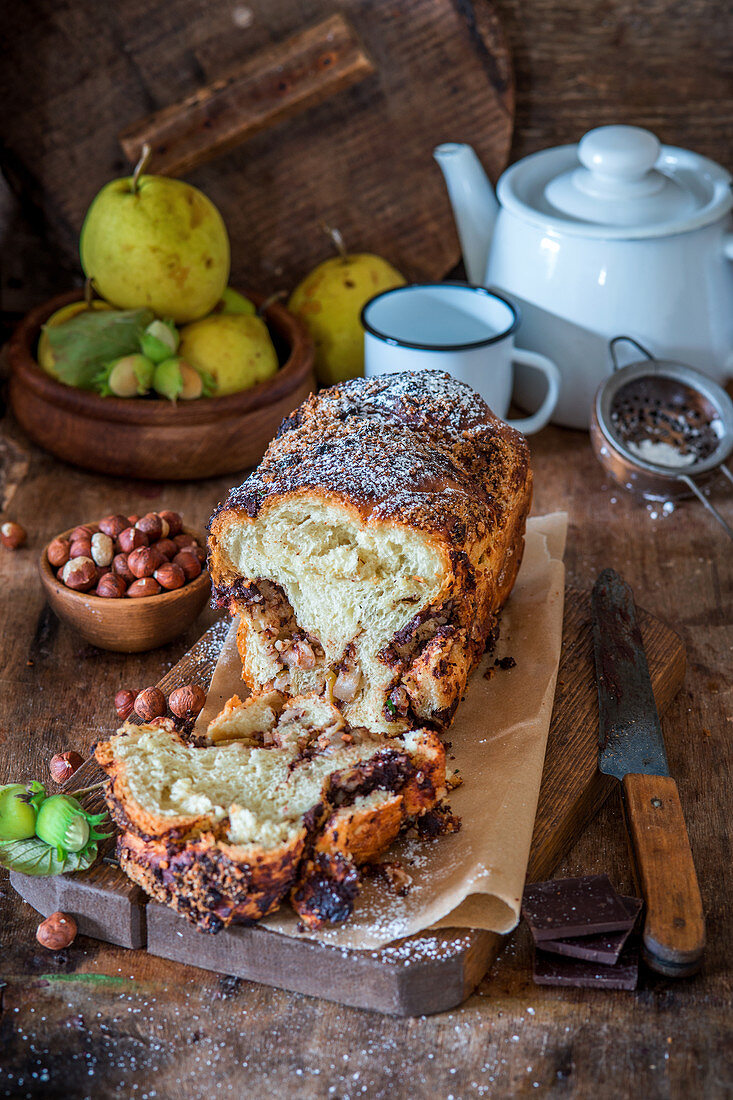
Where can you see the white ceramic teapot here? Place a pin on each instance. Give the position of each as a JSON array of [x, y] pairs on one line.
[[615, 235]]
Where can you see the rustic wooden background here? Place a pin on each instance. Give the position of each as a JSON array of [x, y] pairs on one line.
[[96, 1021]]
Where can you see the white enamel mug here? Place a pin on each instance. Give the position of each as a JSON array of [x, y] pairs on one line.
[[465, 330]]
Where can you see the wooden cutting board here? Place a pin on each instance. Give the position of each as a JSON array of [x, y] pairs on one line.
[[429, 972], [286, 114]]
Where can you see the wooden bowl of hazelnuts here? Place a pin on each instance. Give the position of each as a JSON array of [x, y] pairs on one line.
[[127, 583]]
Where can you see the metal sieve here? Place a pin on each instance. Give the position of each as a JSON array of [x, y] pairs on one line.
[[662, 429]]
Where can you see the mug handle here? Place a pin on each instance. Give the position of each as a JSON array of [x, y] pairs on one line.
[[529, 424]]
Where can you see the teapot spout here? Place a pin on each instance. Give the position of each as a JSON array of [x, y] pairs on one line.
[[474, 205]]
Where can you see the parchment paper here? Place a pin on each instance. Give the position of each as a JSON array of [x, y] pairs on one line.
[[473, 878]]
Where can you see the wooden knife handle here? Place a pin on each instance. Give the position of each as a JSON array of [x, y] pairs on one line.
[[674, 928]]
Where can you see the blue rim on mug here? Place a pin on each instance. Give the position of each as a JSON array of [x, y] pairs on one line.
[[398, 343]]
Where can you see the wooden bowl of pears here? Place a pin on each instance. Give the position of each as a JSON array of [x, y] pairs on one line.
[[176, 431]]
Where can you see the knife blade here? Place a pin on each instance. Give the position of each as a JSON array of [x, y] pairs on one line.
[[631, 748]]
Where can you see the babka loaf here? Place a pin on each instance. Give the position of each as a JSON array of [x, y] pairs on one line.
[[370, 552], [284, 798]]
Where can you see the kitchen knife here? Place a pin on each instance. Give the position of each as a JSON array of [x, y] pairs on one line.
[[632, 750]]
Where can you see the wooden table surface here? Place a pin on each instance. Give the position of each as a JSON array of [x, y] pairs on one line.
[[96, 1021]]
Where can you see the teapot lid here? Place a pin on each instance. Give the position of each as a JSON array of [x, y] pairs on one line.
[[617, 182]]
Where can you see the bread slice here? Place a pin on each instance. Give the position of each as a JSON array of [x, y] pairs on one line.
[[369, 554], [283, 798]]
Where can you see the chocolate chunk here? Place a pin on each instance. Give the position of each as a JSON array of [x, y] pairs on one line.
[[556, 970], [562, 908], [604, 948]]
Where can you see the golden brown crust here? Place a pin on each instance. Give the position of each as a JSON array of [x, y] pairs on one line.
[[417, 448]]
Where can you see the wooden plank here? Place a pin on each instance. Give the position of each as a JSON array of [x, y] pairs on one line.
[[430, 972], [273, 85]]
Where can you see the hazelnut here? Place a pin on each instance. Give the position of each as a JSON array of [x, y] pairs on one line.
[[113, 525], [57, 931], [13, 535], [110, 587], [130, 539], [189, 563], [58, 552], [164, 527], [84, 531], [184, 540], [170, 576], [79, 574], [199, 552], [122, 569], [150, 704], [102, 548], [151, 526], [167, 548], [144, 561], [187, 701], [174, 521], [124, 700], [132, 520], [64, 764], [80, 548], [146, 586]]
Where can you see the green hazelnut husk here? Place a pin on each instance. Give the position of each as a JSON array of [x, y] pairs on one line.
[[19, 805], [63, 824], [160, 341]]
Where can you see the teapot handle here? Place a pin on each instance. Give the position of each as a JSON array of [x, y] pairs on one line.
[[728, 245]]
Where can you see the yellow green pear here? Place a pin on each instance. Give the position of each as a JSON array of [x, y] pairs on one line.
[[234, 348], [46, 357], [150, 241], [330, 300]]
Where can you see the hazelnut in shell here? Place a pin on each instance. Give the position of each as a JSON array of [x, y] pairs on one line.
[[124, 700], [64, 764], [114, 525], [145, 586], [83, 531], [122, 569], [167, 548], [174, 521], [183, 540], [111, 587], [12, 535], [58, 552], [151, 526], [170, 576], [130, 539], [144, 561], [150, 704], [187, 701], [189, 563], [57, 931], [80, 548], [80, 574]]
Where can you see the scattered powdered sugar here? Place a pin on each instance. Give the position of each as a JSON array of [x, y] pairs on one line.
[[418, 446], [662, 454]]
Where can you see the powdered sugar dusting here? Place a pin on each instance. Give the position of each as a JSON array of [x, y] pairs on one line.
[[419, 446]]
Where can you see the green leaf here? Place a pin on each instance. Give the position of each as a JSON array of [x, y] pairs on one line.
[[34, 857], [83, 345]]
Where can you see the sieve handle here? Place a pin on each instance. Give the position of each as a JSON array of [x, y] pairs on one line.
[[704, 500], [630, 340]]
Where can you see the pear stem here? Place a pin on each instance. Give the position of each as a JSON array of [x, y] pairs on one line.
[[88, 292], [336, 238], [145, 155], [278, 296]]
